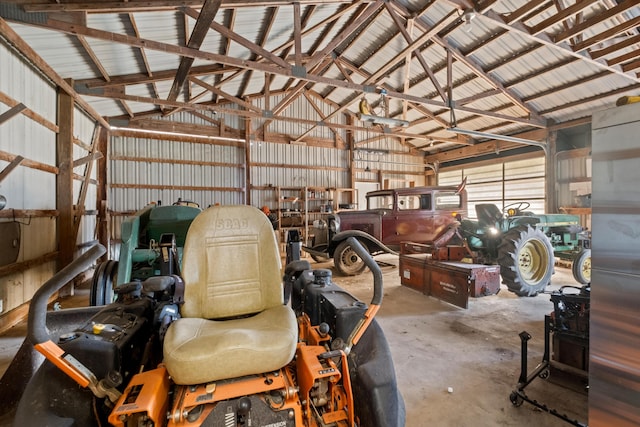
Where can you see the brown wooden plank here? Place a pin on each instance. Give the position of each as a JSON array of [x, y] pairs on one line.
[[561, 15], [177, 161], [25, 265], [156, 5], [597, 19], [630, 41], [86, 159], [102, 221], [27, 213], [176, 187], [523, 10], [8, 157], [10, 167], [6, 99], [84, 188], [11, 112], [8, 33], [200, 29], [65, 231]]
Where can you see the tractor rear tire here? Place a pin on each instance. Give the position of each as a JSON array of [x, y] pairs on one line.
[[104, 279], [581, 267], [347, 261], [526, 260]]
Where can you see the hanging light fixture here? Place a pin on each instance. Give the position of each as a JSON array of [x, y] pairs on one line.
[[487, 135], [468, 16]]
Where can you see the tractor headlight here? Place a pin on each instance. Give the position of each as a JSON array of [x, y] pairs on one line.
[[493, 231]]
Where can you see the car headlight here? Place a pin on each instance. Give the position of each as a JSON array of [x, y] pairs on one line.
[[334, 224]]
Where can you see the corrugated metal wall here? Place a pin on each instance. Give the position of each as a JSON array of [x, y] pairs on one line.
[[501, 183], [31, 189], [294, 165], [380, 157], [143, 170], [573, 173]]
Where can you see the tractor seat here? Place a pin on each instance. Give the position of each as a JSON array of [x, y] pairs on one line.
[[488, 214], [234, 322]]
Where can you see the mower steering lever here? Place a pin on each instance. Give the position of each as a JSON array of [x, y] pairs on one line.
[[368, 316]]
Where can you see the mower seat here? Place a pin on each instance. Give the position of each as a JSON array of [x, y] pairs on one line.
[[234, 322]]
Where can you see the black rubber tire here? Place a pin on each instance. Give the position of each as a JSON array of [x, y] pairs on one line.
[[347, 262], [581, 267], [104, 279], [526, 260]]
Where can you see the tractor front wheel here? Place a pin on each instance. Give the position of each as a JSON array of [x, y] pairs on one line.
[[526, 260], [581, 267], [347, 261]]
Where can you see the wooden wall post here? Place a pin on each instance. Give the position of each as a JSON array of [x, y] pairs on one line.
[[247, 161], [64, 183], [102, 204], [550, 166]]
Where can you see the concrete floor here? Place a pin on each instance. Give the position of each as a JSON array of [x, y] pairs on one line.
[[436, 346], [475, 351]]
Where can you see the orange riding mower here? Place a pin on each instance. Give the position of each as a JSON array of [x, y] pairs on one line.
[[226, 342]]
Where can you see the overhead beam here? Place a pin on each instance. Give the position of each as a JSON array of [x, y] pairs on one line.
[[561, 16], [562, 48], [416, 52], [200, 30], [242, 41], [244, 64], [225, 95], [155, 5], [596, 19], [12, 37]]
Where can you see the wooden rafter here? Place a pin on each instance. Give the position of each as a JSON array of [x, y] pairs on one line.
[[9, 34], [417, 53], [561, 16], [318, 53], [200, 29], [225, 95], [587, 24], [545, 40], [271, 18], [96, 6]]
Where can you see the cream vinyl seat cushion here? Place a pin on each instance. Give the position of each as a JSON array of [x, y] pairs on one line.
[[234, 322]]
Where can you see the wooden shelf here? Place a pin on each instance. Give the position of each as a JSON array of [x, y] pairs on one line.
[[575, 211], [299, 207]]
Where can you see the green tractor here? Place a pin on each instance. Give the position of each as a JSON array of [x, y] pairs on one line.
[[151, 245], [525, 245]]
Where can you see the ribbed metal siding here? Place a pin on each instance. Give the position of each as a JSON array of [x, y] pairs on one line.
[[23, 136], [574, 180], [502, 183], [27, 188], [167, 173], [295, 165]]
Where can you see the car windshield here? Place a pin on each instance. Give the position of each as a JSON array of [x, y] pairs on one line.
[[448, 200]]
